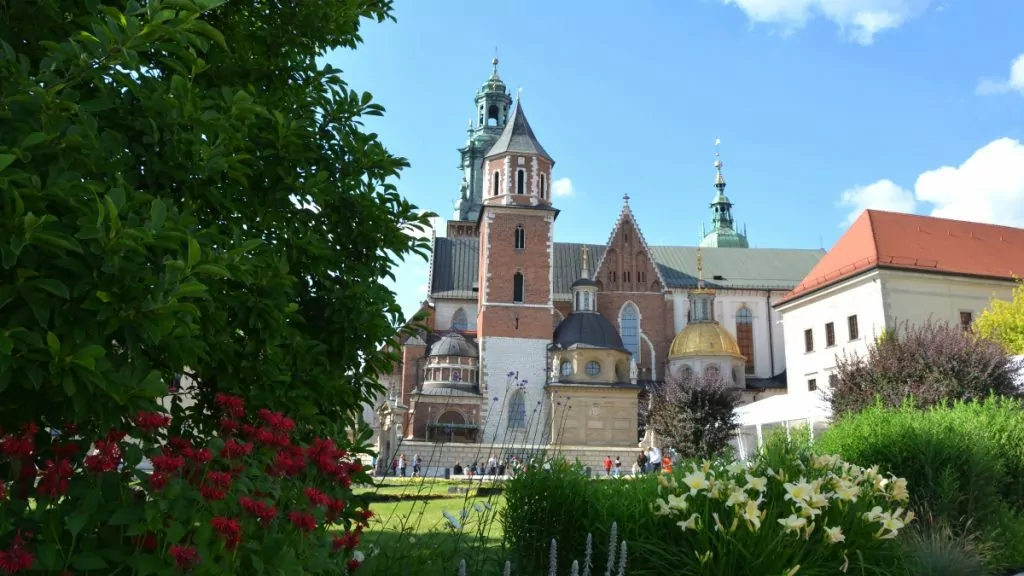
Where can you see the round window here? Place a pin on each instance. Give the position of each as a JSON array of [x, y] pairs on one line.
[[566, 368], [593, 368]]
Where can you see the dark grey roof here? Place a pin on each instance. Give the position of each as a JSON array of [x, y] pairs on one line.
[[518, 137], [583, 282], [437, 391], [453, 344], [586, 329], [457, 261]]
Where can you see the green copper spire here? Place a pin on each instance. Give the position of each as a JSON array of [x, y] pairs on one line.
[[723, 233]]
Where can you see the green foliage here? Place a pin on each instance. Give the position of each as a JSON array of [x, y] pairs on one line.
[[933, 362], [695, 415], [158, 164], [1003, 321], [962, 462], [934, 548]]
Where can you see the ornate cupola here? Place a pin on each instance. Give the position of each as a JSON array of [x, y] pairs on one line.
[[517, 168], [584, 290], [723, 233]]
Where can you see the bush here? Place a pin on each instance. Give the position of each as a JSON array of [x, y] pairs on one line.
[[963, 462], [932, 362], [695, 415], [789, 509], [250, 501]]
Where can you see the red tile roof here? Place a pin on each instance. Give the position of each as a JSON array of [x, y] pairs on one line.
[[920, 243]]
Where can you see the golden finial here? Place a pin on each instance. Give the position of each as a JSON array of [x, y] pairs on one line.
[[719, 179], [586, 258], [700, 269]]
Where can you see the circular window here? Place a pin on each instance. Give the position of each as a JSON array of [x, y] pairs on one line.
[[566, 368], [593, 368]]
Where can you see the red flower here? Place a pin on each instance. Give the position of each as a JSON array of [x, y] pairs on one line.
[[334, 509], [65, 450], [177, 444], [276, 420], [233, 405], [353, 565], [159, 481], [229, 529], [150, 422], [228, 426], [19, 446], [316, 497], [347, 541], [185, 557], [235, 449], [365, 515], [303, 521], [289, 461], [16, 558], [258, 509], [114, 435], [55, 478], [146, 541], [167, 464], [216, 485], [105, 459]]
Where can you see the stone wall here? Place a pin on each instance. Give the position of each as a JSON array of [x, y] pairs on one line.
[[528, 358], [437, 457]]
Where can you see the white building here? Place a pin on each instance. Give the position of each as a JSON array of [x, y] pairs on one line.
[[890, 268]]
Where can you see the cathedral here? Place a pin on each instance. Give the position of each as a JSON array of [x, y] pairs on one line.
[[538, 342]]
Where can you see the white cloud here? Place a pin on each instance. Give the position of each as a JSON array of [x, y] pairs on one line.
[[882, 195], [563, 187], [1014, 83], [858, 20], [987, 187]]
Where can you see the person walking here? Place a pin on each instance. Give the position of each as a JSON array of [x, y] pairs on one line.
[[401, 465], [618, 467], [641, 463], [654, 459], [416, 462], [608, 466]]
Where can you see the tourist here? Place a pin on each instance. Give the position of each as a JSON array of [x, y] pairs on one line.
[[492, 465], [654, 457], [641, 462], [401, 465], [416, 462], [608, 466], [618, 467], [457, 470]]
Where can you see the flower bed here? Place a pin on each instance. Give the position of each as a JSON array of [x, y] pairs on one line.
[[253, 498]]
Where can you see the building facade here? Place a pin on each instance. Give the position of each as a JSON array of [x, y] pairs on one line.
[[526, 329], [888, 269]]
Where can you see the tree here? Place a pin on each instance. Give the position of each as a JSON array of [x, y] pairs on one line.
[[694, 415], [1003, 321], [932, 362], [186, 187]]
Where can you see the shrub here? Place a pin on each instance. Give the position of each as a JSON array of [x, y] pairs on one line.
[[1003, 321], [696, 415], [932, 362], [963, 462], [934, 548], [249, 501]]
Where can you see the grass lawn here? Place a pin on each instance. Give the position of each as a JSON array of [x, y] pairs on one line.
[[414, 537]]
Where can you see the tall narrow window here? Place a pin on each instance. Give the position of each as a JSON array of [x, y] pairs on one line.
[[854, 329], [517, 288], [520, 238], [629, 329], [520, 182], [578, 296], [494, 184], [745, 336], [965, 320], [808, 340], [459, 320], [830, 334], [812, 385], [517, 411], [543, 186], [586, 301]]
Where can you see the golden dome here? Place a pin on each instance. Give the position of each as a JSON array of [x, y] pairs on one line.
[[704, 339]]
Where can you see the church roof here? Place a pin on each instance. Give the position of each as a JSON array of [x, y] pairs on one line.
[[518, 137], [892, 240], [456, 264], [588, 330]]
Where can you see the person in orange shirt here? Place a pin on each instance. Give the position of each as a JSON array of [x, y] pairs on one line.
[[666, 464], [607, 465]]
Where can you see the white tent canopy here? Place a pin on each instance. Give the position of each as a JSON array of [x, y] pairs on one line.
[[784, 410]]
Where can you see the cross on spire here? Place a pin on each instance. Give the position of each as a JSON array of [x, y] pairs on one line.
[[625, 197]]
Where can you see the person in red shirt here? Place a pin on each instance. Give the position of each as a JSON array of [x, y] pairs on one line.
[[607, 465]]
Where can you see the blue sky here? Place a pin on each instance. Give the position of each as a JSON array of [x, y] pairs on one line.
[[823, 107]]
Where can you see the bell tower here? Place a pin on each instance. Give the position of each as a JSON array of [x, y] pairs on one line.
[[493, 106], [515, 302]]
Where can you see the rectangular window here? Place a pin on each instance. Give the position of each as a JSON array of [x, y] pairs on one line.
[[852, 327], [965, 320], [517, 288], [812, 385], [832, 381], [626, 276], [745, 340], [830, 335], [808, 340]]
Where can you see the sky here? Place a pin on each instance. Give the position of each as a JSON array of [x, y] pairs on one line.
[[823, 108]]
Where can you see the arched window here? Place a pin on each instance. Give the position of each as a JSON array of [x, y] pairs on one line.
[[711, 372], [543, 186], [520, 182], [578, 303], [686, 373], [520, 237], [629, 329], [492, 116], [494, 184], [459, 320], [745, 336], [517, 287], [517, 411], [586, 301]]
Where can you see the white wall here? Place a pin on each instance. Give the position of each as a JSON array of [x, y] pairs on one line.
[[914, 297], [498, 357], [861, 296], [444, 309]]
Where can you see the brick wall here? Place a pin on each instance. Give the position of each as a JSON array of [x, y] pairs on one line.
[[656, 322]]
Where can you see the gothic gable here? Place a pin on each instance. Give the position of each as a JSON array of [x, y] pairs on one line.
[[627, 264]]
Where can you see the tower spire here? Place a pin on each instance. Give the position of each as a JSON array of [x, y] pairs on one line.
[[723, 232], [585, 272], [700, 269]]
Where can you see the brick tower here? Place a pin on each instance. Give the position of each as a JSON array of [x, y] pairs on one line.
[[515, 308]]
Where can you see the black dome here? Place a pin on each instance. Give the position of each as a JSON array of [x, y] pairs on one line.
[[584, 282], [453, 344], [587, 329]]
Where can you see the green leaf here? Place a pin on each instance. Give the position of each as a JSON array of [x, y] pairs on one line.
[[52, 342], [85, 561], [190, 289], [146, 564], [158, 213], [175, 532], [68, 383], [33, 139], [194, 252], [125, 516], [5, 160], [6, 344], [215, 270], [210, 32], [47, 555], [76, 521], [153, 386], [55, 287]]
